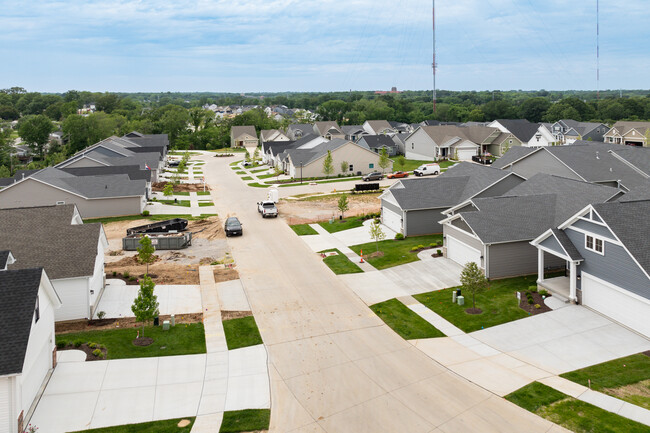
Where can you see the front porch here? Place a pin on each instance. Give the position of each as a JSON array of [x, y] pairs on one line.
[[560, 287], [564, 287]]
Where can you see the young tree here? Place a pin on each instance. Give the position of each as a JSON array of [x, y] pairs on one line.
[[401, 162], [343, 204], [277, 171], [247, 156], [328, 166], [168, 189], [376, 233], [345, 166], [145, 305], [175, 179], [384, 160], [256, 154], [473, 281], [146, 250]]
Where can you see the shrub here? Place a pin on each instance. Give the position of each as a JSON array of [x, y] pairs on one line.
[[145, 213], [92, 345], [115, 273], [439, 252], [543, 292], [433, 244], [530, 300], [78, 343], [61, 344], [532, 288], [420, 247], [132, 278], [538, 306], [414, 248], [97, 352], [101, 315], [126, 274], [399, 237], [101, 354]]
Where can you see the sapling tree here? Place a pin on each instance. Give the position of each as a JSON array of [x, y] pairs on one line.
[[473, 281], [401, 162], [145, 305], [328, 165], [384, 160], [343, 204], [376, 233], [145, 251], [168, 189], [344, 167]]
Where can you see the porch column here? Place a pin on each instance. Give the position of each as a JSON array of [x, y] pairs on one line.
[[572, 284], [540, 266]]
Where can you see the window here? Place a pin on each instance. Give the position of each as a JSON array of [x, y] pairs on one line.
[[371, 165], [412, 146], [594, 244], [351, 167], [37, 311]]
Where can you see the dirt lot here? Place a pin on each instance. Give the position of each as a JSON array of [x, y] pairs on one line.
[[183, 187], [321, 208], [122, 322], [161, 272]]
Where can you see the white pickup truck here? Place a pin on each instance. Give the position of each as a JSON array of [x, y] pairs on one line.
[[267, 208]]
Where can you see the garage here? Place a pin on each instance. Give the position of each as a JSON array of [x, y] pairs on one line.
[[391, 219], [34, 375], [6, 394], [462, 253], [466, 153], [619, 304]]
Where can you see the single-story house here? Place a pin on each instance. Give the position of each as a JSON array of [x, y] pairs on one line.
[[433, 143], [377, 143], [276, 135], [353, 132], [629, 133], [328, 129], [296, 131], [378, 127], [604, 246], [72, 253], [308, 162], [243, 136], [274, 153], [28, 302], [495, 232], [568, 131], [414, 206]]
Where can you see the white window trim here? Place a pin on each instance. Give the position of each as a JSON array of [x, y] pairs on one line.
[[594, 239]]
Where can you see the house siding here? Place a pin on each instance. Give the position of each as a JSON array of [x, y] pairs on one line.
[[391, 206], [423, 222], [420, 146], [542, 162], [516, 258], [354, 155], [74, 295], [462, 236], [552, 244], [596, 229], [7, 421], [615, 267]]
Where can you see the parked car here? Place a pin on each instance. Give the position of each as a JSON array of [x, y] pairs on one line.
[[233, 227], [267, 208], [174, 163], [247, 164], [373, 176], [397, 175], [427, 169]]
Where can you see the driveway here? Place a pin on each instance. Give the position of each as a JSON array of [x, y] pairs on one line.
[[117, 299]]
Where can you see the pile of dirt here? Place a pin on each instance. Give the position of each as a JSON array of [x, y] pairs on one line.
[[207, 228], [131, 261], [225, 274], [182, 187], [122, 322], [165, 273], [227, 315], [143, 341]]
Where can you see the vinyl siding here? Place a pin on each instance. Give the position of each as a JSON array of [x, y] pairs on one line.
[[542, 162], [74, 294], [351, 153], [423, 222], [516, 258], [6, 405], [459, 223], [594, 228], [420, 146], [552, 244], [615, 267], [391, 206], [463, 237], [501, 187]]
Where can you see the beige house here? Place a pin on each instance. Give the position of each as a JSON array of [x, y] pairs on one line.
[[309, 162], [433, 143], [629, 133], [378, 127], [329, 130], [243, 136], [275, 135]]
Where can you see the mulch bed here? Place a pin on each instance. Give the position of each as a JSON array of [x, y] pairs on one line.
[[128, 281], [223, 155], [530, 308], [473, 311], [427, 248], [181, 187], [227, 315], [434, 255], [87, 350], [122, 322], [143, 341]]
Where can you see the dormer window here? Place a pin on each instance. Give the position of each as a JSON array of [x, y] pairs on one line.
[[594, 244]]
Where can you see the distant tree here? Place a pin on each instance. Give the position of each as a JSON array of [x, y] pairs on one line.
[[343, 205], [473, 280], [534, 109], [146, 250], [107, 102], [145, 305], [376, 233], [328, 167], [168, 190], [35, 131], [7, 112], [384, 160], [198, 116], [4, 171], [333, 110], [401, 162], [345, 166]]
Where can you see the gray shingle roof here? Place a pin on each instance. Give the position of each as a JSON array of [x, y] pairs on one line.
[[376, 141], [4, 256], [566, 243], [307, 156], [639, 157], [630, 223], [18, 292], [44, 237], [114, 185], [520, 128], [237, 131], [133, 171], [512, 155]]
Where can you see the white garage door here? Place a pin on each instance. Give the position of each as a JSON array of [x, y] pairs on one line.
[[6, 418], [462, 253], [621, 305], [466, 154], [391, 219], [34, 376]]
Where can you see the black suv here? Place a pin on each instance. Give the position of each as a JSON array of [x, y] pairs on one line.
[[373, 176], [233, 227]]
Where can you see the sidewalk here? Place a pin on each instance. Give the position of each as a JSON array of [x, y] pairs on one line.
[[330, 239]]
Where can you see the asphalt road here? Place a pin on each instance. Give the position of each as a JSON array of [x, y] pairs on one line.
[[335, 366]]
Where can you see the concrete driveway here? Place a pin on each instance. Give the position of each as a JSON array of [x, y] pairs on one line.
[[117, 299]]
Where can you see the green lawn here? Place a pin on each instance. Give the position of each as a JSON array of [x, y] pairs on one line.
[[499, 304], [340, 225], [305, 182], [183, 203], [246, 178], [229, 150], [395, 252], [166, 426], [234, 164], [206, 203], [181, 193], [266, 176], [404, 321], [203, 193], [248, 420], [570, 413], [303, 229], [182, 339], [241, 332], [149, 217], [412, 164], [257, 185], [259, 170], [340, 264], [615, 377], [240, 172]]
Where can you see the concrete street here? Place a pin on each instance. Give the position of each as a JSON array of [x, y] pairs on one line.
[[335, 366]]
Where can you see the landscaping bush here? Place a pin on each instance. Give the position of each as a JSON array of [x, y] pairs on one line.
[[132, 278], [439, 252], [92, 345], [126, 274], [538, 306], [399, 237], [421, 247], [78, 343], [145, 213], [532, 289], [101, 315], [115, 273], [543, 292], [415, 248], [61, 344], [530, 300], [97, 352], [433, 244]]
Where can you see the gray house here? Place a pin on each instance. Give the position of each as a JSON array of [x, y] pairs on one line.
[[496, 232], [377, 143], [608, 260], [414, 206]]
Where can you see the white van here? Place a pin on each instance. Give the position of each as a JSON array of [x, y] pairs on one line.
[[426, 169]]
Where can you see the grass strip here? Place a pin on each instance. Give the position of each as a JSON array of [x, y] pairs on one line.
[[303, 229], [242, 332], [340, 225], [248, 420], [164, 426], [404, 321], [339, 263], [396, 252]]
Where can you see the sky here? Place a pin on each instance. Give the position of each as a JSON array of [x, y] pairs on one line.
[[324, 45]]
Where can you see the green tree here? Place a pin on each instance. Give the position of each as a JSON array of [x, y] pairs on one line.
[[175, 179], [534, 109], [145, 305], [401, 162], [168, 190], [343, 205], [4, 171], [277, 171], [376, 233], [256, 154], [473, 280], [384, 160], [333, 110], [345, 167], [107, 102], [146, 250], [328, 166], [35, 131], [198, 116]]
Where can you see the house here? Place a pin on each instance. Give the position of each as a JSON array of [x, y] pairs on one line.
[[328, 129], [243, 136], [272, 135], [604, 246], [568, 131], [522, 130], [432, 143], [400, 140], [353, 132], [28, 302], [629, 133], [95, 196], [543, 137], [377, 143], [413, 207], [274, 152], [377, 127], [298, 130], [401, 127], [152, 141], [308, 161], [584, 160], [495, 232], [71, 252]]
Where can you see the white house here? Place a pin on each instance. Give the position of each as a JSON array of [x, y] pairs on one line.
[[432, 143], [28, 302]]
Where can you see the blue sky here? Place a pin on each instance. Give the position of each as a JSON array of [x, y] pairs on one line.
[[323, 45]]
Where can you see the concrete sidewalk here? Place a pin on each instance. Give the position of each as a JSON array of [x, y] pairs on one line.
[[334, 242]]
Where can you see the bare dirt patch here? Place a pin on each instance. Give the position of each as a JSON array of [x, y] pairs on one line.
[[166, 273], [227, 315], [225, 274], [143, 341], [323, 208], [376, 254], [122, 322], [639, 389], [182, 187], [207, 228], [473, 311]]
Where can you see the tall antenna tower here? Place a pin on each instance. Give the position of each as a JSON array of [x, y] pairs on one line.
[[433, 65], [597, 49]]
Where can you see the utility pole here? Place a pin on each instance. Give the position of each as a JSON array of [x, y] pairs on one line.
[[433, 65], [597, 49]]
